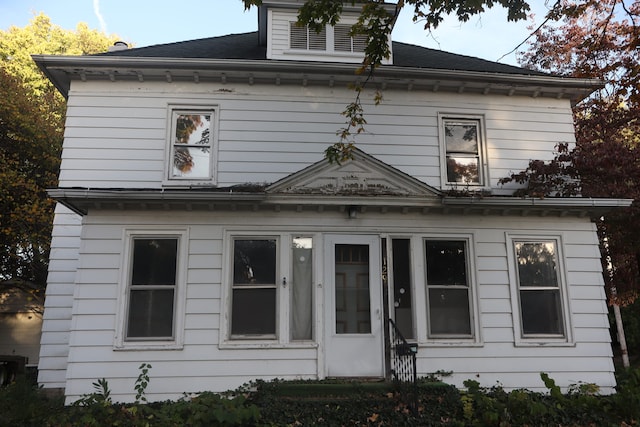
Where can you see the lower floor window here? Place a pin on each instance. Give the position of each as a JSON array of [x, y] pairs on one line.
[[253, 307], [448, 296], [152, 289], [271, 291], [539, 288]]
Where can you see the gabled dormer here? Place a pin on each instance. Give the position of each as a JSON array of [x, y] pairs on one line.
[[285, 40]]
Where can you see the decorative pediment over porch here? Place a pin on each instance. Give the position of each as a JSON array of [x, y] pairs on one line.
[[363, 179]]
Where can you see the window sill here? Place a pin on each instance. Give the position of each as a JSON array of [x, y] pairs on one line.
[[189, 183], [541, 342], [449, 342], [256, 344], [151, 346]]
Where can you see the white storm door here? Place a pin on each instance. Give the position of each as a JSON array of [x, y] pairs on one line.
[[354, 343]]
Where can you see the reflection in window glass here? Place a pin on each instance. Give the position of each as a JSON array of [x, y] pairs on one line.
[[253, 308], [462, 142], [448, 288], [539, 288], [192, 145]]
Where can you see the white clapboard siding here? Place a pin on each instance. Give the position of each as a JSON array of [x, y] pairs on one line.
[[201, 365], [267, 132], [56, 321]]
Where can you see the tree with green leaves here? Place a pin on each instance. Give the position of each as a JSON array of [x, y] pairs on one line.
[[31, 133]]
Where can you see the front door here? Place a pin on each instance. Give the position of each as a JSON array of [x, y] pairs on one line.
[[354, 344]]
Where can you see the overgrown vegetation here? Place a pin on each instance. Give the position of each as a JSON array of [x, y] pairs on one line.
[[296, 403]]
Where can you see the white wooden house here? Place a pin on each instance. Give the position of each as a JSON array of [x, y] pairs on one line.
[[200, 228]]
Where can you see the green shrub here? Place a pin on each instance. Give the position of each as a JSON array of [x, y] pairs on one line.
[[334, 402], [24, 404]]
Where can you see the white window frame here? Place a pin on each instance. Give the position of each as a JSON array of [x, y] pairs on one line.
[[177, 341], [483, 169], [173, 110], [284, 269], [420, 288], [514, 282]]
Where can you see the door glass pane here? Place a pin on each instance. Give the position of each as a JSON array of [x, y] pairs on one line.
[[352, 303]]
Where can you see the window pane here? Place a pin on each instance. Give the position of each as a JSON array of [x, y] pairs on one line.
[[352, 289], [461, 137], [150, 313], [446, 263], [191, 162], [154, 262], [541, 312], [254, 262], [449, 312], [302, 289], [462, 169], [537, 264], [253, 312], [192, 145]]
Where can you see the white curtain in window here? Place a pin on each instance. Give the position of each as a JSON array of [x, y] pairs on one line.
[[301, 294]]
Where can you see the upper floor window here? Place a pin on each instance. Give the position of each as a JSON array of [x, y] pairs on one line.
[[192, 145], [463, 151]]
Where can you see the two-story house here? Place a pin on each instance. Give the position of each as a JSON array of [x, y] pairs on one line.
[[200, 228]]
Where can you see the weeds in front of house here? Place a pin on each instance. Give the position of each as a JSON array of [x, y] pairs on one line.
[[295, 403]]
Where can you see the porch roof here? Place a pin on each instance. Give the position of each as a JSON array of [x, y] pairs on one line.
[[252, 198]]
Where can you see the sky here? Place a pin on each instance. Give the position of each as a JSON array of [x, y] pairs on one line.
[[149, 22]]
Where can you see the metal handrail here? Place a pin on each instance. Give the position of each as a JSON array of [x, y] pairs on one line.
[[403, 363]]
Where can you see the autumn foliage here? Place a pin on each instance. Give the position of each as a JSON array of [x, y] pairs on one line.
[[597, 39]]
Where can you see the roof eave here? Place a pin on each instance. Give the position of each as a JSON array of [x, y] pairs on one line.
[[60, 69]]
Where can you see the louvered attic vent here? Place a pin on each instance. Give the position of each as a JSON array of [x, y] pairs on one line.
[[343, 42], [307, 39]]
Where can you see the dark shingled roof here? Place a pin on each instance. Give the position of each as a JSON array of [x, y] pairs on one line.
[[247, 46]]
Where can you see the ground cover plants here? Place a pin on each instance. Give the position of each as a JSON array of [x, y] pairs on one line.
[[333, 403]]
